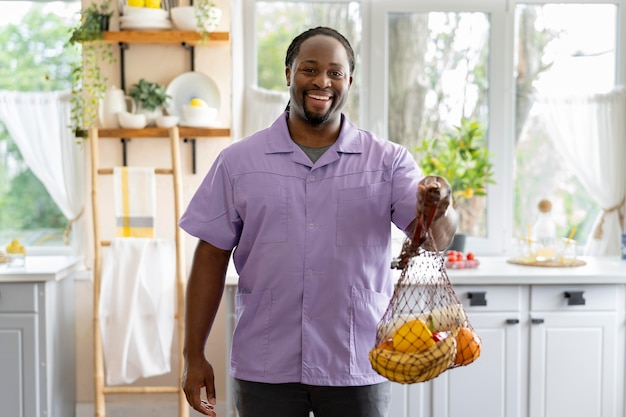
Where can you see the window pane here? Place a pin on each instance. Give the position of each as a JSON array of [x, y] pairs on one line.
[[277, 23], [438, 90], [569, 48], [33, 58]]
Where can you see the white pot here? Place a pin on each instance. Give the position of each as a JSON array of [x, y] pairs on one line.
[[113, 102], [151, 115]]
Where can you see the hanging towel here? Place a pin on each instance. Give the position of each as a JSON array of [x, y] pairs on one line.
[[137, 308], [135, 201]]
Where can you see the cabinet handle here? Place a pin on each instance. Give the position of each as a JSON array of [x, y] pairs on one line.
[[536, 321], [477, 298], [512, 321], [575, 298]]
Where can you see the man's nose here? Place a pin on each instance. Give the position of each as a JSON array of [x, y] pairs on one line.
[[322, 80]]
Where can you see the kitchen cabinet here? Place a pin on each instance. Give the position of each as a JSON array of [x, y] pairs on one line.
[[553, 343], [37, 365], [547, 351]]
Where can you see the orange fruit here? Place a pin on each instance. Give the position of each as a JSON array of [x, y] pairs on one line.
[[468, 346], [385, 344], [413, 336]]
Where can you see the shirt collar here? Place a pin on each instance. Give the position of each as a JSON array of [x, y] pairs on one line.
[[349, 140]]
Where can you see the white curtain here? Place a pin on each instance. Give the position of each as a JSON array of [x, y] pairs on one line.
[[38, 122], [591, 132], [262, 108], [254, 108]]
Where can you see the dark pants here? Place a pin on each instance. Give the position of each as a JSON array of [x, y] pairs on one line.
[[255, 399]]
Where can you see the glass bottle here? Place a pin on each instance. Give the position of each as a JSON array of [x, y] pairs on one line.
[[544, 232]]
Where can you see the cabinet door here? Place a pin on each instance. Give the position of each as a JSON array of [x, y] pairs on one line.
[[411, 400], [18, 366], [572, 356], [490, 386]]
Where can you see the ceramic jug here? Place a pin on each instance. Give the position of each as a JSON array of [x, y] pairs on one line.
[[114, 101]]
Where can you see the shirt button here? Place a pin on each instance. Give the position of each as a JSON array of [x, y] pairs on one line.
[[311, 177], [311, 226]]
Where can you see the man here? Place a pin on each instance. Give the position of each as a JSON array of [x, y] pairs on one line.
[[307, 203]]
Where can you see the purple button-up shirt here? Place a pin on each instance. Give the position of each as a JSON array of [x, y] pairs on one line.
[[313, 249]]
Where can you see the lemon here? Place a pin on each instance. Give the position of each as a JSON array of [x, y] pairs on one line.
[[15, 247], [136, 3], [197, 102], [413, 336]]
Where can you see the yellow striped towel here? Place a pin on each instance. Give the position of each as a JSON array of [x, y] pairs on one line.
[[135, 201]]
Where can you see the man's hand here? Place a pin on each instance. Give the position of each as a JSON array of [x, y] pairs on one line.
[[434, 196], [434, 211], [196, 376]]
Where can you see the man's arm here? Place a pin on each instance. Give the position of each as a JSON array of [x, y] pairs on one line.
[[205, 288]]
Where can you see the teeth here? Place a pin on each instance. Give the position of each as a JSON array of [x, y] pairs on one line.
[[319, 97]]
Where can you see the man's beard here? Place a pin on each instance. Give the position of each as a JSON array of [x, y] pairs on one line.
[[316, 119]]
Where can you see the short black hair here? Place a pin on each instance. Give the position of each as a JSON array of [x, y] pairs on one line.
[[294, 47]]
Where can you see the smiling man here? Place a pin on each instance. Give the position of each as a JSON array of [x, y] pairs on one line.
[[307, 205]]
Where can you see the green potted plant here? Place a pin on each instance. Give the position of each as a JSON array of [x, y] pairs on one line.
[[88, 82], [150, 98], [461, 156]]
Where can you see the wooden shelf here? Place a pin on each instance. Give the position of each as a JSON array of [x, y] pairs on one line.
[[162, 37], [159, 132]]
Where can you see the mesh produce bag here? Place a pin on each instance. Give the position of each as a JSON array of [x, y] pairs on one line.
[[425, 330]]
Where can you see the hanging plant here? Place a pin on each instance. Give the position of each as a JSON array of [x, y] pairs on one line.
[[88, 81], [208, 16]]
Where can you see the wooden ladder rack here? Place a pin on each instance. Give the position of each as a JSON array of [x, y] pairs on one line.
[[99, 381]]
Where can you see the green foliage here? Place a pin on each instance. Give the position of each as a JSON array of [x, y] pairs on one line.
[[148, 95], [460, 156], [91, 23], [27, 191], [88, 82], [204, 17], [33, 56]]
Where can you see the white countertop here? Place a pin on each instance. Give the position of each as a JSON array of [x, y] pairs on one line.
[[40, 268], [497, 271]]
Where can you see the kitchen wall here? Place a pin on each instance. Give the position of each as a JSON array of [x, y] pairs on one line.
[[159, 64]]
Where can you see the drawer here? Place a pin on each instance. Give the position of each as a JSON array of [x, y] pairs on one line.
[[573, 297], [490, 297], [18, 298]]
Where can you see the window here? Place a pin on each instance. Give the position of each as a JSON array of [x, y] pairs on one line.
[[567, 47], [426, 65], [32, 58], [277, 23]]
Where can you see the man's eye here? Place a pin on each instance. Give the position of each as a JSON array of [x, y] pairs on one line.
[[336, 74]]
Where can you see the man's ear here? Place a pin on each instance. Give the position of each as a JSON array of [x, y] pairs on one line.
[[288, 75]]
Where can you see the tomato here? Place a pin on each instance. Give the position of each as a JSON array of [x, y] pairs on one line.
[[438, 336], [470, 256]]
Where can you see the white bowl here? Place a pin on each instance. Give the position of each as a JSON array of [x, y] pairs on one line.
[[131, 120], [199, 114], [166, 121], [184, 18]]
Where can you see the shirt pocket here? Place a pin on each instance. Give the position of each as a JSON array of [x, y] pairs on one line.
[[366, 310], [263, 209], [251, 338], [364, 215]]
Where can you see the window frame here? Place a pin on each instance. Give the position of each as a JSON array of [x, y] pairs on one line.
[[501, 141]]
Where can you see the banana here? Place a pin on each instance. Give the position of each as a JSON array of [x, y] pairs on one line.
[[443, 319], [409, 368]]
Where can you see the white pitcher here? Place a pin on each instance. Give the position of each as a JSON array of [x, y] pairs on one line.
[[114, 101]]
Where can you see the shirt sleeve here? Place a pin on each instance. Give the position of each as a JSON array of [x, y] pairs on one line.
[[406, 176], [211, 215]]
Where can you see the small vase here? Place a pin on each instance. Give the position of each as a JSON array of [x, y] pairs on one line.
[[151, 115], [104, 22]]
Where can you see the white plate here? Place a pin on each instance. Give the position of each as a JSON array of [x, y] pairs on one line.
[[212, 123], [139, 25], [187, 86]]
